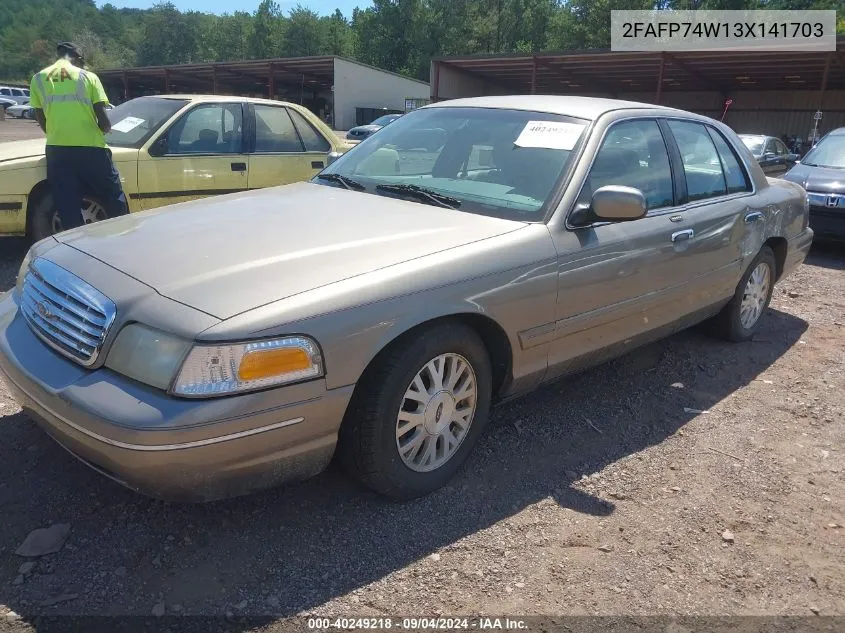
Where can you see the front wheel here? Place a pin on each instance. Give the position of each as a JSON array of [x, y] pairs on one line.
[[418, 413], [741, 318], [46, 222]]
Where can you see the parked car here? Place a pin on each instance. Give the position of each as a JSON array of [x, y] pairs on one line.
[[772, 154], [24, 111], [230, 344], [175, 148], [6, 103], [364, 131], [821, 172], [18, 95]]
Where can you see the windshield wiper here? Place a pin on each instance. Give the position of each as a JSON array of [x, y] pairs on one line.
[[421, 193], [353, 185]]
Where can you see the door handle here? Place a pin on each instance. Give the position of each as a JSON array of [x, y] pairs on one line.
[[686, 234], [317, 164], [753, 217], [238, 166]]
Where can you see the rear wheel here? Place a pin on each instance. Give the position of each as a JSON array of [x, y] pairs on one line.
[[46, 222], [419, 412], [741, 318]]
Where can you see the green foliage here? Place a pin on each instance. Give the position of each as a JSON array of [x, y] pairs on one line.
[[398, 35]]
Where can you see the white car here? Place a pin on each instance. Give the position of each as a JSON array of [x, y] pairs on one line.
[[18, 95], [22, 111]]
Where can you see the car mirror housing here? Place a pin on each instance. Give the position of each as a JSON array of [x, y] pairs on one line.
[[616, 203], [159, 147], [612, 203]]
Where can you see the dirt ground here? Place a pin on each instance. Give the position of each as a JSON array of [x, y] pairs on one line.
[[689, 477], [18, 130]]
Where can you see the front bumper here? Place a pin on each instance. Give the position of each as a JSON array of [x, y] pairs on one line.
[[164, 447], [828, 224]]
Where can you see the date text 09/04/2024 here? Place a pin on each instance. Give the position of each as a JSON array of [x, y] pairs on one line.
[[736, 30], [414, 624]]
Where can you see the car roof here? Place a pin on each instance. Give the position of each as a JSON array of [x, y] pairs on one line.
[[579, 107], [220, 99]]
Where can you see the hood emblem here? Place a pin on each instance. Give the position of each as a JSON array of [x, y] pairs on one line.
[[44, 311], [832, 201]]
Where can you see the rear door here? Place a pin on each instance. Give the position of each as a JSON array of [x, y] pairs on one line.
[[284, 147], [200, 155], [720, 219]]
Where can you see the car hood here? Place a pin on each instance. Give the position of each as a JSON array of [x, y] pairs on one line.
[[366, 128], [237, 252], [820, 179], [21, 149], [17, 150]]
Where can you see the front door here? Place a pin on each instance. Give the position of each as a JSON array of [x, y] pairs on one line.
[[285, 148], [617, 282], [200, 155]]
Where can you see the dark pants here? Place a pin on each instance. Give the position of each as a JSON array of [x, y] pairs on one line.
[[76, 172]]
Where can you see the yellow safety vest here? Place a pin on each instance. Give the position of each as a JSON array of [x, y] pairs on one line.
[[67, 94]]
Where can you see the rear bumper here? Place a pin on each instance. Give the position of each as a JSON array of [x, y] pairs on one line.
[[163, 447], [798, 248], [827, 224]]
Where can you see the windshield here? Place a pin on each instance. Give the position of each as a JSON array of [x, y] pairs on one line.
[[830, 152], [754, 144], [135, 121], [502, 163], [384, 120]]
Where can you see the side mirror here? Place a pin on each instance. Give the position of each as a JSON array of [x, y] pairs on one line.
[[159, 147], [612, 203], [768, 155], [332, 157]]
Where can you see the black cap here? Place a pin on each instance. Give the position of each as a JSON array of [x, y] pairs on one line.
[[69, 48]]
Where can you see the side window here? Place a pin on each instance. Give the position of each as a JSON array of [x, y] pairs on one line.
[[780, 148], [274, 131], [634, 154], [770, 147], [17, 92], [702, 167], [735, 176], [5, 91], [313, 140], [208, 129]]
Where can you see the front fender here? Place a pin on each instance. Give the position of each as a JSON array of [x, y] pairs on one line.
[[17, 180]]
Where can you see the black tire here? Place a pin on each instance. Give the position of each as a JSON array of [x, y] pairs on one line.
[[41, 222], [728, 323], [367, 443]]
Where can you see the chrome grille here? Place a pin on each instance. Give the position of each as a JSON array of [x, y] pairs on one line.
[[68, 314]]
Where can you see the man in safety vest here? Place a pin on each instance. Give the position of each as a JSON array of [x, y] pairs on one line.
[[70, 106]]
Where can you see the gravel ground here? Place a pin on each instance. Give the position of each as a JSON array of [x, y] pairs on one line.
[[689, 477]]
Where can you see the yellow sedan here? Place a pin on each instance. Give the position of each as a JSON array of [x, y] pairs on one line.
[[174, 148]]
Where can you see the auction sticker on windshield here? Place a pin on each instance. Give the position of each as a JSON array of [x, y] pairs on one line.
[[127, 125], [549, 135]]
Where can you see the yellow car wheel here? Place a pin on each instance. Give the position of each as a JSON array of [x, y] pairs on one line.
[[46, 222]]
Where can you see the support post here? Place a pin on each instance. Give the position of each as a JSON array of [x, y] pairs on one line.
[[824, 79], [660, 79], [215, 88], [435, 84], [533, 75], [166, 81], [125, 86], [271, 82]]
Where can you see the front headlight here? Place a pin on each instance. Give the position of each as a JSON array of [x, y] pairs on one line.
[[214, 370], [147, 355], [22, 272]]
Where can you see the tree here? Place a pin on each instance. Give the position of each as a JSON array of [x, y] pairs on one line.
[[306, 34], [267, 31]]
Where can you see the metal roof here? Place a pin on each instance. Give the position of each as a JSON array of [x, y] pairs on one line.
[[246, 76], [615, 73]]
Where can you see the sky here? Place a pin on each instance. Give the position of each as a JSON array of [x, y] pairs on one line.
[[323, 7]]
